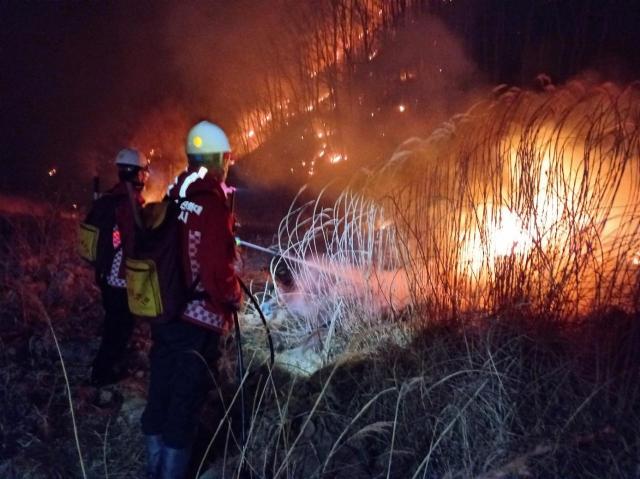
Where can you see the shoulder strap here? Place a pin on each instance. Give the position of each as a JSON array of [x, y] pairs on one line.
[[135, 207]]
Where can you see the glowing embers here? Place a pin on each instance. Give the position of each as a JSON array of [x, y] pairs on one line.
[[337, 158], [407, 75]]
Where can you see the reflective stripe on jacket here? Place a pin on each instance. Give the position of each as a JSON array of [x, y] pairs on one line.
[[208, 249]]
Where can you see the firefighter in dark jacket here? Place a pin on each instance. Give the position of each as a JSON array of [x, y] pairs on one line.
[[179, 379], [118, 324]]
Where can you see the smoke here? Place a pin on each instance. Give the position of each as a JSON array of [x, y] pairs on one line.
[[414, 77], [263, 72], [140, 77], [83, 79], [420, 78]]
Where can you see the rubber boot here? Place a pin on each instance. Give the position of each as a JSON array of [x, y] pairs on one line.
[[155, 447], [174, 463]]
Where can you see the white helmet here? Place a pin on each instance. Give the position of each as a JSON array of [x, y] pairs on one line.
[[131, 157], [208, 146], [206, 138]]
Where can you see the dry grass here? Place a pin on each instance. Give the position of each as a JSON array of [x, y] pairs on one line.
[[49, 327], [529, 201], [515, 397]]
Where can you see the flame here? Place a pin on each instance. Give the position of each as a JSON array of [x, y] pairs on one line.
[[497, 231], [502, 234]]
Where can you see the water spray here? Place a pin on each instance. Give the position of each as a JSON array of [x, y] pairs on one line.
[[324, 269]]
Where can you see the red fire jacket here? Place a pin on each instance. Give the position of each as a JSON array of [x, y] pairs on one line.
[[122, 234], [208, 249]]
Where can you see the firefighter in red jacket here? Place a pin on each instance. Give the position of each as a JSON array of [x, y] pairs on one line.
[[179, 379], [118, 323]]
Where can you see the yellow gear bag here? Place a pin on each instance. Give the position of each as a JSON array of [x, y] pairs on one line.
[[88, 241], [143, 288]]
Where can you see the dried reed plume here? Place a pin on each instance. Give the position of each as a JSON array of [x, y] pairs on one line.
[[530, 200]]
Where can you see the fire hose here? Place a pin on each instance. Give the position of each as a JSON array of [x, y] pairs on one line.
[[241, 370], [254, 301]]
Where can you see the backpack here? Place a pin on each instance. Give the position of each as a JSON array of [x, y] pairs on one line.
[[95, 234], [156, 287]]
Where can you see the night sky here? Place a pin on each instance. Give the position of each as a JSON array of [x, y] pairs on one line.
[[77, 77], [68, 73]]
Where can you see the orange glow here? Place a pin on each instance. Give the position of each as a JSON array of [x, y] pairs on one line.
[[317, 59], [401, 108]]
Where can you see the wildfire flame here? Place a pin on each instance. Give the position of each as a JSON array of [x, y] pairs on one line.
[[530, 200]]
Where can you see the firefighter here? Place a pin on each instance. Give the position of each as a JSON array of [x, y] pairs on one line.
[[116, 206], [179, 379]]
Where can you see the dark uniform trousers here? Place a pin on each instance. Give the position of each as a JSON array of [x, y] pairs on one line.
[[181, 358], [116, 331]]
